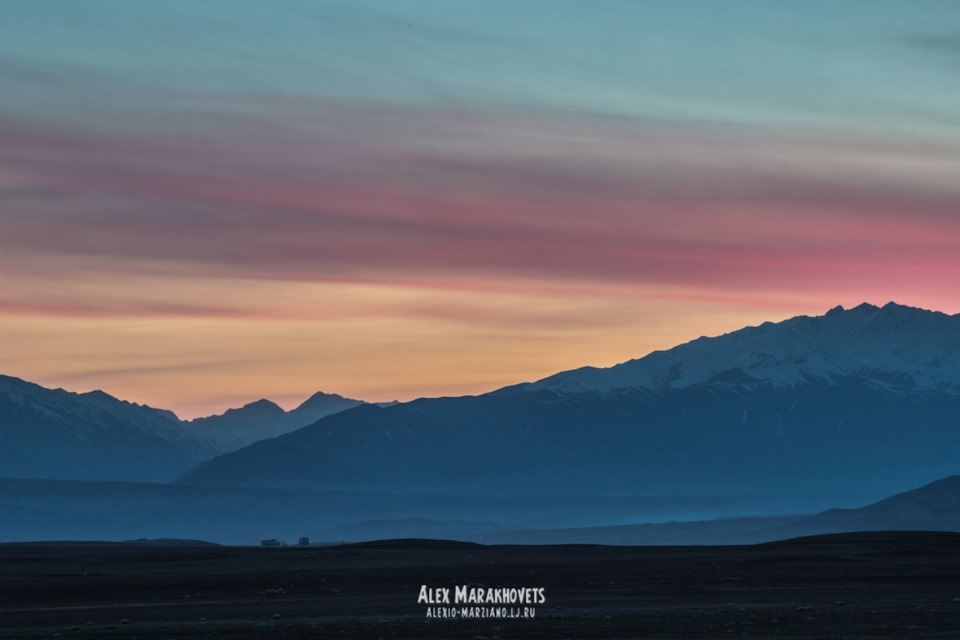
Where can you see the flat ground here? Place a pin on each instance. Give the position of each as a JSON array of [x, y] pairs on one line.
[[879, 585]]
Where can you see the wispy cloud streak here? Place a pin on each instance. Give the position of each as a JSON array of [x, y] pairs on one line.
[[500, 190], [401, 195]]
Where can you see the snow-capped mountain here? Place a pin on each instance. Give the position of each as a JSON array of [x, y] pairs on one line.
[[52, 433], [894, 347], [57, 434], [863, 400], [860, 401]]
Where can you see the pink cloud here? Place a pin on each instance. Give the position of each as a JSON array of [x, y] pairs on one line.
[[400, 196]]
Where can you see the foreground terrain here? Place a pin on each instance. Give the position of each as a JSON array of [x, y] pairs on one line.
[[880, 585]]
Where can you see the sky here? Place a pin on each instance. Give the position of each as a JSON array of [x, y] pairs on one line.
[[206, 202]]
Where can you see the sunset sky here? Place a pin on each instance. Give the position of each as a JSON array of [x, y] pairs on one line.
[[203, 203]]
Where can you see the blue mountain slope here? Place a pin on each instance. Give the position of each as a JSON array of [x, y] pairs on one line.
[[861, 401], [52, 433]]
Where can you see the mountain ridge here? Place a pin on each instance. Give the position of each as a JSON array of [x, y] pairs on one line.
[[55, 433], [263, 419], [762, 354], [846, 388], [62, 434], [860, 399]]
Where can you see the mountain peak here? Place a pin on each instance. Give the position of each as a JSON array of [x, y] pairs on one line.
[[320, 398], [97, 394], [263, 405]]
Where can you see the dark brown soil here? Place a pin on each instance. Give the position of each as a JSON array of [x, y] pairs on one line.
[[879, 585]]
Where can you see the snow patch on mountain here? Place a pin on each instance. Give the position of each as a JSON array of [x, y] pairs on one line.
[[94, 407]]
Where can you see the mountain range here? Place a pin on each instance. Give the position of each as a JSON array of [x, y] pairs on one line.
[[779, 419], [57, 434], [856, 402], [262, 419], [860, 401]]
